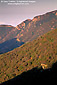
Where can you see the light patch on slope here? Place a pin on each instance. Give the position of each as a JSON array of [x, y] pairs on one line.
[[18, 40]]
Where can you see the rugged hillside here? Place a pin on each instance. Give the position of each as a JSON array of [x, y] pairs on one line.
[[38, 26], [29, 30], [39, 52], [23, 24], [8, 40], [8, 32]]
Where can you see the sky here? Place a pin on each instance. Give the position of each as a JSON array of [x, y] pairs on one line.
[[12, 14]]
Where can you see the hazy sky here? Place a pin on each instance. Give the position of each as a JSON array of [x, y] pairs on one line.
[[15, 14]]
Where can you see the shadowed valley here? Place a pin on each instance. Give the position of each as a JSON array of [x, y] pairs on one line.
[[10, 45]]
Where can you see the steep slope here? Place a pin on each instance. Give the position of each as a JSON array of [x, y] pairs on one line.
[[38, 26], [29, 29], [8, 32], [39, 52], [35, 76], [23, 24], [8, 40]]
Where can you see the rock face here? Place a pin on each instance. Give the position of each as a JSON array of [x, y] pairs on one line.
[[44, 66], [37, 26], [29, 29], [23, 24]]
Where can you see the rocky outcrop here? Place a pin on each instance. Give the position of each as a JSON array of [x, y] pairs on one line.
[[44, 66]]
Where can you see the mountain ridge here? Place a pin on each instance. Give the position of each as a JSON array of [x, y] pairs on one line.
[[29, 29]]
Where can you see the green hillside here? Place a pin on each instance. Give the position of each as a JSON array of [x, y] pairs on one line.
[[42, 50]]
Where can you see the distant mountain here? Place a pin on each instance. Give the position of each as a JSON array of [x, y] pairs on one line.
[[38, 26], [40, 53], [29, 30], [6, 32]]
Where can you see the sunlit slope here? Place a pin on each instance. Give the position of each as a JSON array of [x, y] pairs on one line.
[[42, 50]]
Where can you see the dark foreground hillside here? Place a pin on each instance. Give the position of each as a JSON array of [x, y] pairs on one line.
[[41, 52], [35, 76]]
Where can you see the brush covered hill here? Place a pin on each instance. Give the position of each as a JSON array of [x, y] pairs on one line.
[[39, 52], [28, 30]]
